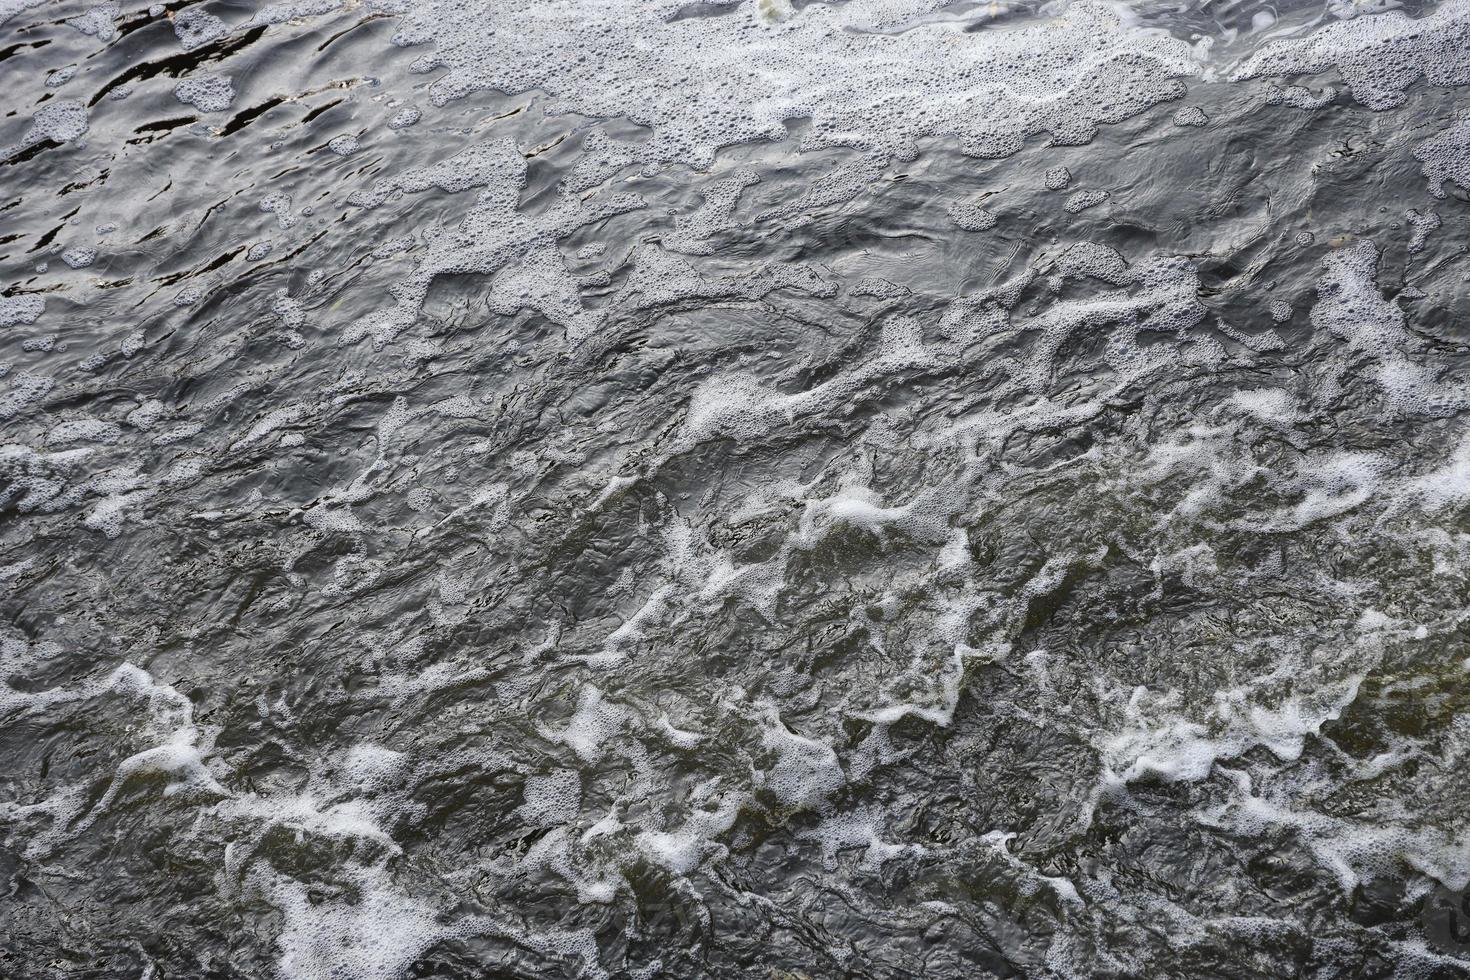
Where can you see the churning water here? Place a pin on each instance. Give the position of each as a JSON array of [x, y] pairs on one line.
[[646, 488]]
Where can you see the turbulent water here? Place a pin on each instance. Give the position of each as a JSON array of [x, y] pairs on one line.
[[661, 489]]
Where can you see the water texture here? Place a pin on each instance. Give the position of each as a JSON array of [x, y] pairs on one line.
[[659, 489]]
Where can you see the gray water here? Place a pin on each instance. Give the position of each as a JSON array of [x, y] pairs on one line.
[[595, 489]]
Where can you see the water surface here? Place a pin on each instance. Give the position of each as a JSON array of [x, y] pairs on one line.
[[871, 489]]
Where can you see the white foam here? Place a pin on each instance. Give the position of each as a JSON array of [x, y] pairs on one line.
[[591, 727], [79, 256], [1379, 56], [1350, 306], [195, 27], [21, 309], [1159, 742], [1354, 850], [682, 850], [98, 21], [702, 83], [1423, 224], [207, 93], [181, 744], [1335, 485], [289, 10], [1446, 156], [805, 772], [60, 120], [1082, 200], [1267, 404], [857, 830], [969, 216], [740, 408], [83, 430], [1191, 116], [405, 117], [998, 840], [375, 937], [1443, 487], [269, 422], [854, 506], [692, 233], [555, 797]]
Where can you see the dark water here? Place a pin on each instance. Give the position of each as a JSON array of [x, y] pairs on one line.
[[729, 490]]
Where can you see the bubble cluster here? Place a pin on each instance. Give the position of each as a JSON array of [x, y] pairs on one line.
[[1378, 56], [207, 93], [1191, 115], [703, 83], [969, 216], [1082, 200], [1446, 157]]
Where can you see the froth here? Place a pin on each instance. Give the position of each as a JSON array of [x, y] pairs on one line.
[[1378, 56], [702, 83]]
